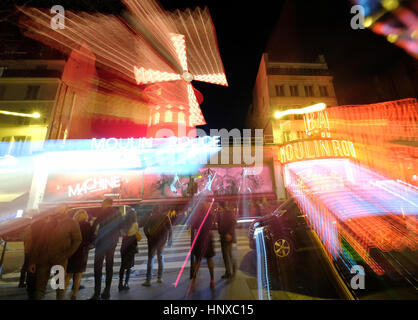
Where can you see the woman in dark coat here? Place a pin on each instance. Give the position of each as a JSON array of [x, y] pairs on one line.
[[78, 262], [128, 248], [203, 246]]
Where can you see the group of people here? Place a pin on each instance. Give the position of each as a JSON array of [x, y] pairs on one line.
[[203, 220], [60, 239]]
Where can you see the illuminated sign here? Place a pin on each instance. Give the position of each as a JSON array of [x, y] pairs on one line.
[[92, 185], [148, 143], [316, 149], [317, 123], [87, 186]]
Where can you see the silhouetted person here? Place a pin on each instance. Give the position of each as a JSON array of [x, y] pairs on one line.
[[78, 261], [107, 226], [157, 228], [226, 228], [57, 240], [129, 248], [203, 245]]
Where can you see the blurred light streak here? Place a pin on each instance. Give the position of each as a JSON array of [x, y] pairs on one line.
[[379, 185], [309, 109], [394, 19], [147, 46], [35, 115], [369, 211], [245, 220], [193, 243], [163, 156], [19, 213], [262, 265]]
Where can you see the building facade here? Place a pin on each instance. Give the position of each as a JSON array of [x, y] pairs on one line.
[[282, 86], [26, 87]]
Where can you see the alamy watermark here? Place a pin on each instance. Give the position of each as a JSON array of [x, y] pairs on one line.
[[58, 20], [357, 21], [58, 277], [358, 281]]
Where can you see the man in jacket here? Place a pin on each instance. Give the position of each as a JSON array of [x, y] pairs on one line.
[[226, 227], [158, 229], [108, 227], [52, 243]]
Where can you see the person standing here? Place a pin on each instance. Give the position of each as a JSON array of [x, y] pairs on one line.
[[33, 234], [226, 227], [57, 240], [203, 244], [129, 248], [78, 261], [107, 226], [158, 229]]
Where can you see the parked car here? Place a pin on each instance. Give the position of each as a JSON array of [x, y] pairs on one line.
[[280, 228]]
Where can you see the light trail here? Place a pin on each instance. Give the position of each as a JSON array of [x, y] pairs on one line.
[[194, 241], [262, 265]]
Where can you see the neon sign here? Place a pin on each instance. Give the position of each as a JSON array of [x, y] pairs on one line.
[[92, 185], [317, 122], [316, 149], [148, 143]]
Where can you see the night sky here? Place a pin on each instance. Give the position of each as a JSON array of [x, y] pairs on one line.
[[294, 29]]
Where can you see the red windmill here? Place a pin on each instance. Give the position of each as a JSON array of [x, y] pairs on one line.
[[147, 46], [195, 57]]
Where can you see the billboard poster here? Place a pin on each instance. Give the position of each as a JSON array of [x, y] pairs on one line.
[[215, 181], [129, 184], [88, 186]]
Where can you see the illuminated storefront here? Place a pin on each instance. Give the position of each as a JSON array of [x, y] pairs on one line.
[[350, 181]]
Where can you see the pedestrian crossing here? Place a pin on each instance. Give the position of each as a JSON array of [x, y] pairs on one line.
[[174, 256]]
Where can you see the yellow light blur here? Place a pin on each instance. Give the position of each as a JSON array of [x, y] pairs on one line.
[[314, 108], [390, 5], [368, 21], [392, 38], [18, 114]]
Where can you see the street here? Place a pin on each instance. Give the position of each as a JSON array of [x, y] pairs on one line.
[[244, 286]]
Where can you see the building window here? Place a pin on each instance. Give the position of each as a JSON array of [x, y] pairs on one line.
[[32, 93], [294, 92], [168, 116], [181, 118], [323, 91], [309, 91], [280, 91], [156, 118]]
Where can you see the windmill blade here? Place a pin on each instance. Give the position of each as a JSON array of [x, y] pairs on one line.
[[179, 43], [151, 20], [196, 116], [202, 46], [146, 76], [141, 28], [116, 47], [218, 78]]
